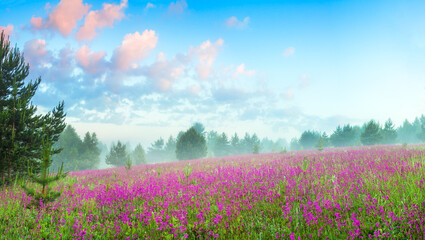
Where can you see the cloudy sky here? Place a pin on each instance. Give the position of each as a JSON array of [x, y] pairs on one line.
[[138, 70]]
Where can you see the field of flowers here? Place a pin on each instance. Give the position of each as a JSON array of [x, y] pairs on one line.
[[347, 193]]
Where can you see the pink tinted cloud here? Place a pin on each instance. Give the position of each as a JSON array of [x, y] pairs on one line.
[[206, 54], [91, 62], [240, 71], [37, 22], [100, 19], [8, 30], [134, 48], [63, 18], [35, 52]]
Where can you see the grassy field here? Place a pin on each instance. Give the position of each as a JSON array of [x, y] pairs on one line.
[[345, 193]]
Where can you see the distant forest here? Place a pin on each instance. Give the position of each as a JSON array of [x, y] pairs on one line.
[[89, 153]]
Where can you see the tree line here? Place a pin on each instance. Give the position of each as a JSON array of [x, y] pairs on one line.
[[195, 142], [218, 144], [370, 133]]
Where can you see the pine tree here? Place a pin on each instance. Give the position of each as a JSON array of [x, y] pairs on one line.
[[267, 145], [170, 149], [222, 147], [343, 136], [256, 149], [372, 134], [128, 164], [322, 142], [199, 127], [18, 119], [255, 140], [72, 146], [77, 154], [211, 140], [138, 155], [309, 139], [326, 140], [248, 143], [44, 178], [348, 135], [294, 144], [117, 155], [90, 153], [245, 144], [156, 151], [406, 133], [235, 144], [421, 133], [389, 134], [337, 137], [191, 145]]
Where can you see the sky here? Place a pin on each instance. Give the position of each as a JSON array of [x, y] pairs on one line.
[[135, 70]]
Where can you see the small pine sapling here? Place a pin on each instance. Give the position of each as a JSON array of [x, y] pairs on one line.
[[320, 144], [128, 164], [187, 172], [44, 178], [256, 149]]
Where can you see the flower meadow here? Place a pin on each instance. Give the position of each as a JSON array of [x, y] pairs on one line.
[[346, 193]]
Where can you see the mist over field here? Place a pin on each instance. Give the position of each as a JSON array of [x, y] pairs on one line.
[[126, 119]]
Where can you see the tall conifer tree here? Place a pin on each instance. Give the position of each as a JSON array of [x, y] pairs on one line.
[[22, 132]]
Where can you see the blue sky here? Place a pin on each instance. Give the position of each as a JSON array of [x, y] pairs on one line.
[[140, 70]]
